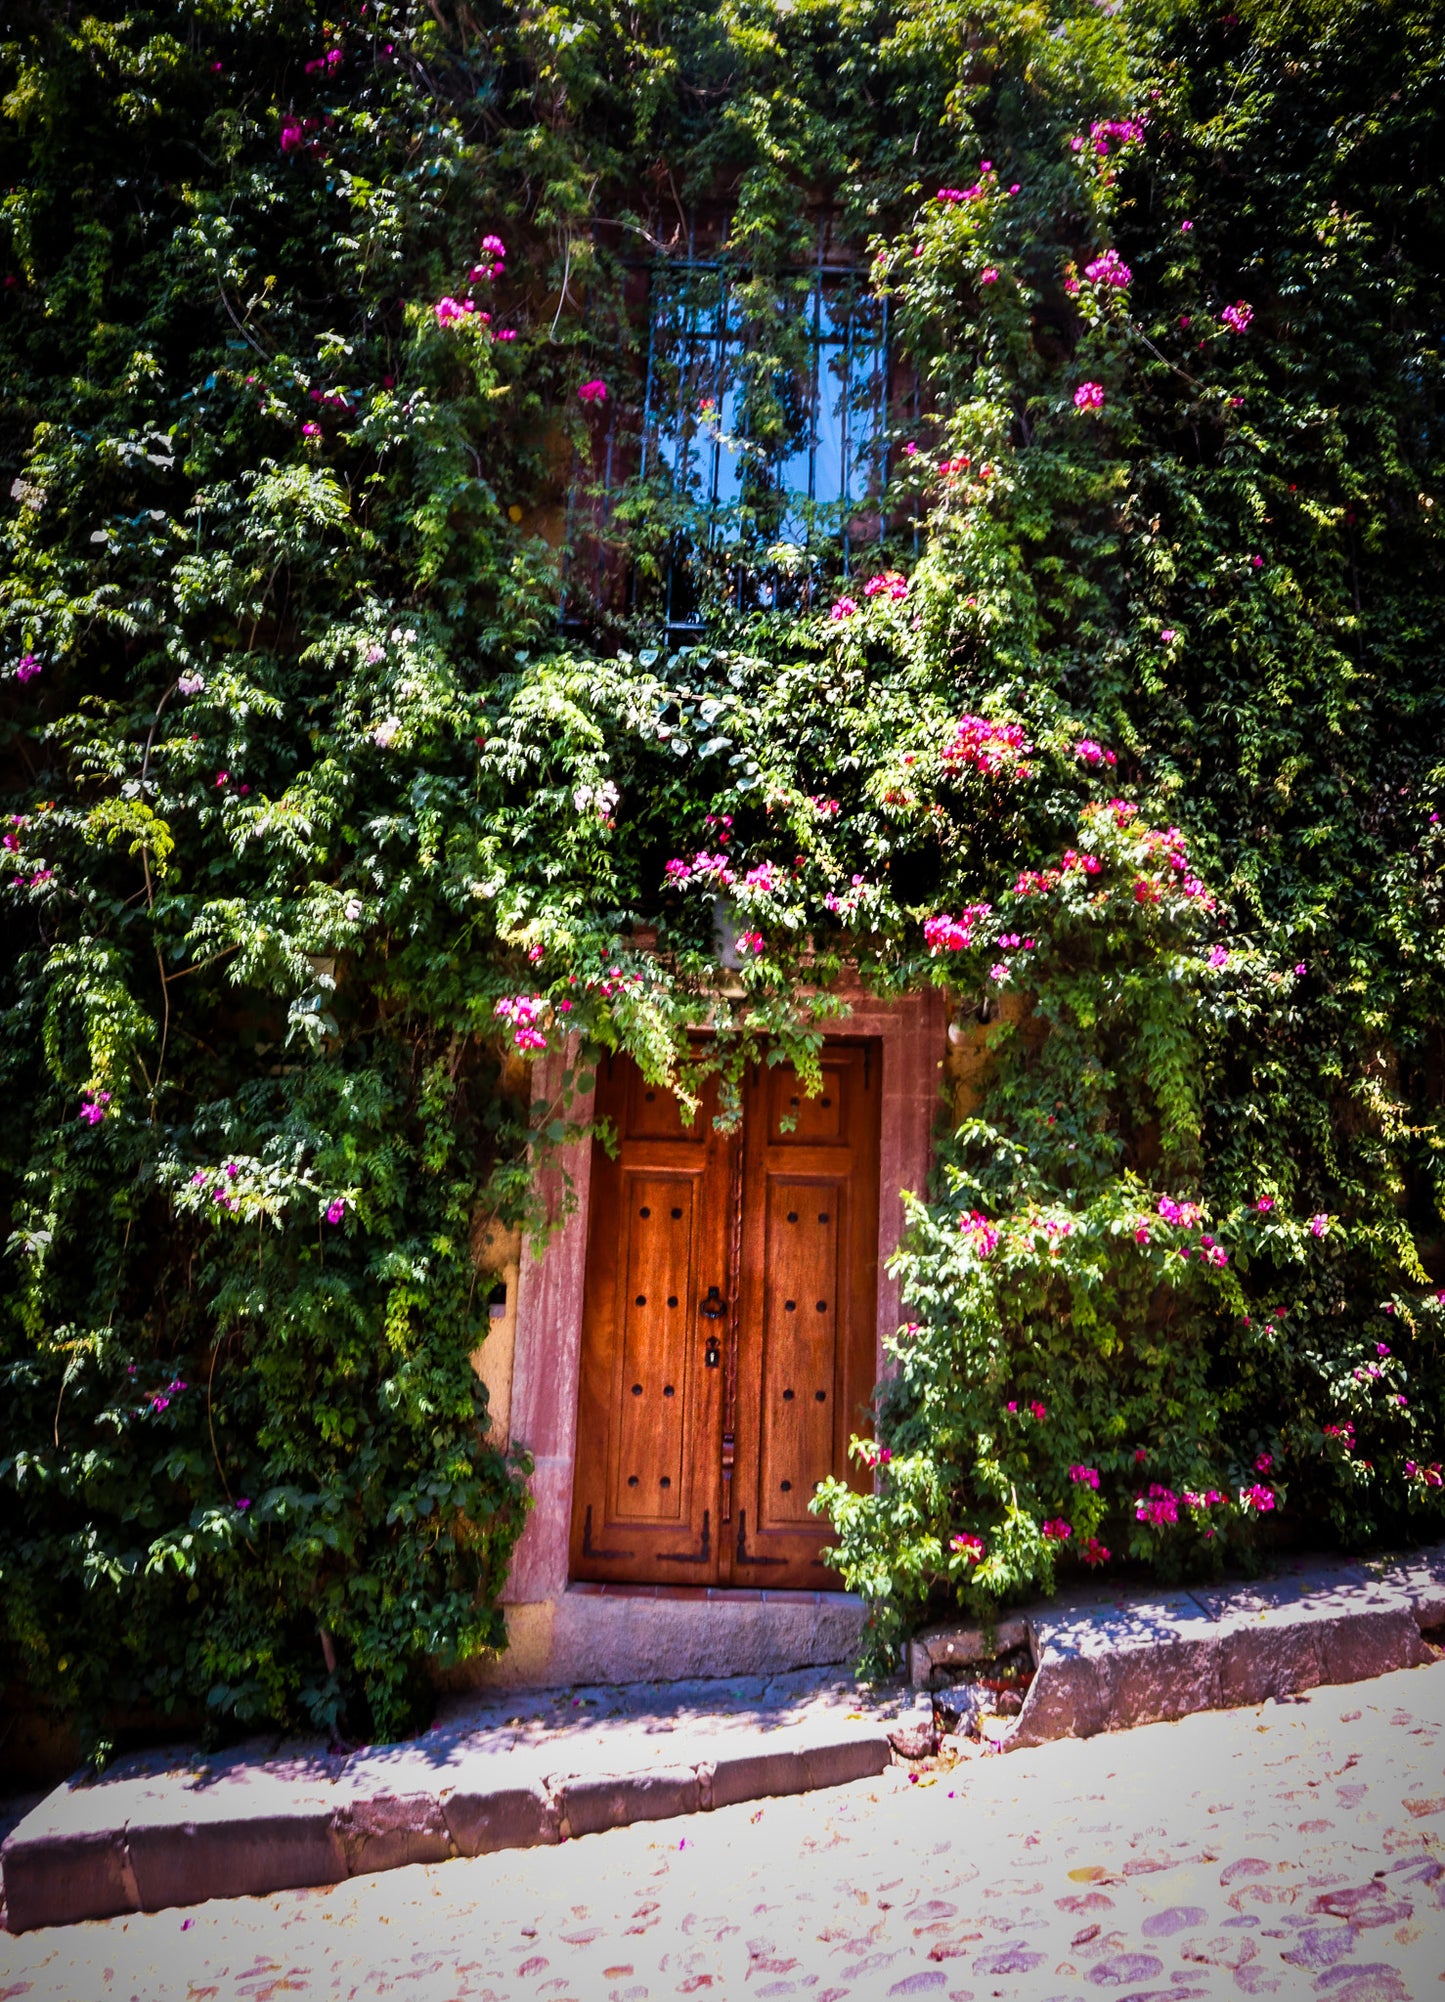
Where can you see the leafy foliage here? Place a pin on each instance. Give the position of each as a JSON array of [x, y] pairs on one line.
[[307, 783]]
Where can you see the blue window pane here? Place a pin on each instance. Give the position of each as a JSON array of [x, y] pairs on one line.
[[833, 403], [831, 460]]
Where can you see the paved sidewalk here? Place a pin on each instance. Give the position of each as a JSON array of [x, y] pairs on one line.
[[174, 1827], [516, 1770], [1294, 1851]]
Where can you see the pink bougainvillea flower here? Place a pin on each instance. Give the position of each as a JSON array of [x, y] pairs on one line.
[[750, 941], [1265, 1204], [1185, 227], [310, 430], [891, 583], [1089, 396], [1319, 1225], [978, 1233], [1110, 269], [293, 136], [842, 608], [1121, 130], [1094, 1552], [505, 334], [1263, 1463], [524, 1012], [1238, 316], [989, 275], [451, 312], [592, 392], [989, 747], [968, 1546], [1159, 1506], [949, 934], [1085, 1476], [242, 1504], [335, 1210], [93, 1110], [1169, 635], [1218, 958], [1093, 754], [223, 778], [1260, 1499], [27, 668], [1057, 1531]]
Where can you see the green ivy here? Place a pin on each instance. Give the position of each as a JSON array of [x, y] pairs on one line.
[[320, 824]]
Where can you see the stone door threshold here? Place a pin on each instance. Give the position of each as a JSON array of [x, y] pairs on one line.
[[719, 1595]]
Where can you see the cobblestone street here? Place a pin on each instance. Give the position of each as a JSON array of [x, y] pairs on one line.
[[1292, 1850]]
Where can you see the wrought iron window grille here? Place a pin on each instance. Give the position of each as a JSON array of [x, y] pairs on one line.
[[766, 429]]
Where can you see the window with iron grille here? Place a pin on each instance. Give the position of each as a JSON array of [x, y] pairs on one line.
[[763, 430]]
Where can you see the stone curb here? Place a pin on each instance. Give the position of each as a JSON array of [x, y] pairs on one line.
[[1104, 1665], [173, 1845], [146, 1844]]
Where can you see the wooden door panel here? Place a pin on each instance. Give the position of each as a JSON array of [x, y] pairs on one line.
[[653, 1387], [654, 1114], [649, 1408], [799, 1346], [807, 1327], [823, 1118]]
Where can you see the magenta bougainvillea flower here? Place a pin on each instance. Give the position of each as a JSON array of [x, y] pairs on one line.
[[979, 1233], [950, 934], [1110, 270], [524, 1012], [988, 746]]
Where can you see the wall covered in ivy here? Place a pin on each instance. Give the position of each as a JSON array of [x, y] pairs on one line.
[[355, 750]]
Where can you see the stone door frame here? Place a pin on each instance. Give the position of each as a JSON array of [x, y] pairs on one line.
[[912, 1039]]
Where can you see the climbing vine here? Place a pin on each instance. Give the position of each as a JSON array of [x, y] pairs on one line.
[[350, 770]]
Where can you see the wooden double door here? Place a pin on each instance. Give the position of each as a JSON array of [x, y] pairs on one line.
[[730, 1326]]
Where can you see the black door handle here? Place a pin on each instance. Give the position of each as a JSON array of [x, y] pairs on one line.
[[714, 1306]]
